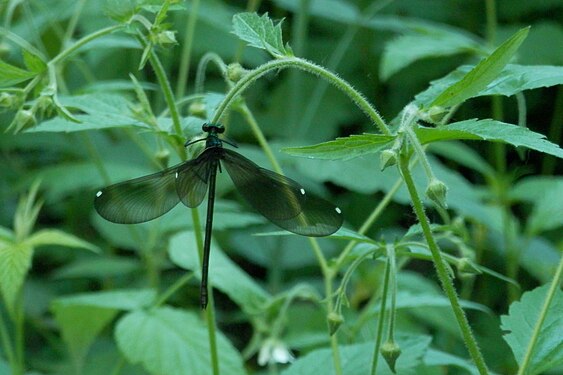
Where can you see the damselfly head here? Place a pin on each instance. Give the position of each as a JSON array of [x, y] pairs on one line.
[[213, 128]]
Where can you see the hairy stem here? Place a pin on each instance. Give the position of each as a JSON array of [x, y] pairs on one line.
[[442, 272]]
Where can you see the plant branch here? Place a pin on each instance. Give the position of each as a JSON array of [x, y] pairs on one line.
[[441, 270]]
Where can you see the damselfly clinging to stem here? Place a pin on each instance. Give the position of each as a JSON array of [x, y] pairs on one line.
[[278, 198]]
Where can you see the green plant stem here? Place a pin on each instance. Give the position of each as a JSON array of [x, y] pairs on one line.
[[553, 289], [187, 50], [419, 152], [327, 272], [81, 42], [315, 99], [166, 91], [294, 62], [202, 66], [73, 21], [441, 270], [383, 203], [379, 336], [173, 288], [393, 283], [299, 41], [249, 117]]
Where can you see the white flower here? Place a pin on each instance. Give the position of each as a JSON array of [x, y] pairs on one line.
[[274, 351]]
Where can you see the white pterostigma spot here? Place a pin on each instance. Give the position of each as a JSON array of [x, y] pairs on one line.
[[338, 210], [99, 193], [176, 174], [302, 191]]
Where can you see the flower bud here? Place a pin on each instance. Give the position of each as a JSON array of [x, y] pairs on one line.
[[24, 119], [334, 321], [235, 72], [387, 158], [437, 191], [165, 37], [197, 109], [390, 352], [465, 265]]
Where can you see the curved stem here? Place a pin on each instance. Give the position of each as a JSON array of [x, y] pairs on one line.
[[294, 62], [260, 137], [379, 336], [202, 66], [441, 270], [79, 43]]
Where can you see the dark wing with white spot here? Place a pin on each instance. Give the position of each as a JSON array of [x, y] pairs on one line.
[[140, 199], [280, 199]]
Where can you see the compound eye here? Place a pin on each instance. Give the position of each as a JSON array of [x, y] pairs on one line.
[[220, 129], [205, 128]]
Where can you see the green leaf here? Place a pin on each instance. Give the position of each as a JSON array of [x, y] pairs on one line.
[[343, 148], [260, 32], [356, 359], [490, 130], [96, 267], [12, 75], [547, 212], [512, 80], [224, 274], [15, 262], [33, 62], [58, 237], [410, 300], [520, 322], [173, 342], [482, 74], [83, 316], [435, 357], [341, 234], [101, 111], [407, 49]]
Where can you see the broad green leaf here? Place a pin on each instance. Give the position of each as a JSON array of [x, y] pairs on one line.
[[490, 130], [409, 300], [101, 111], [435, 357], [463, 155], [260, 32], [512, 80], [124, 299], [12, 75], [546, 206], [97, 267], [58, 237], [356, 359], [521, 321], [343, 148], [173, 342], [341, 234], [82, 317], [539, 257], [407, 49], [482, 74], [15, 261], [224, 274], [547, 212], [80, 325]]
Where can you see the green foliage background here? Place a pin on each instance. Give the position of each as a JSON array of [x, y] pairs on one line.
[[96, 92]]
